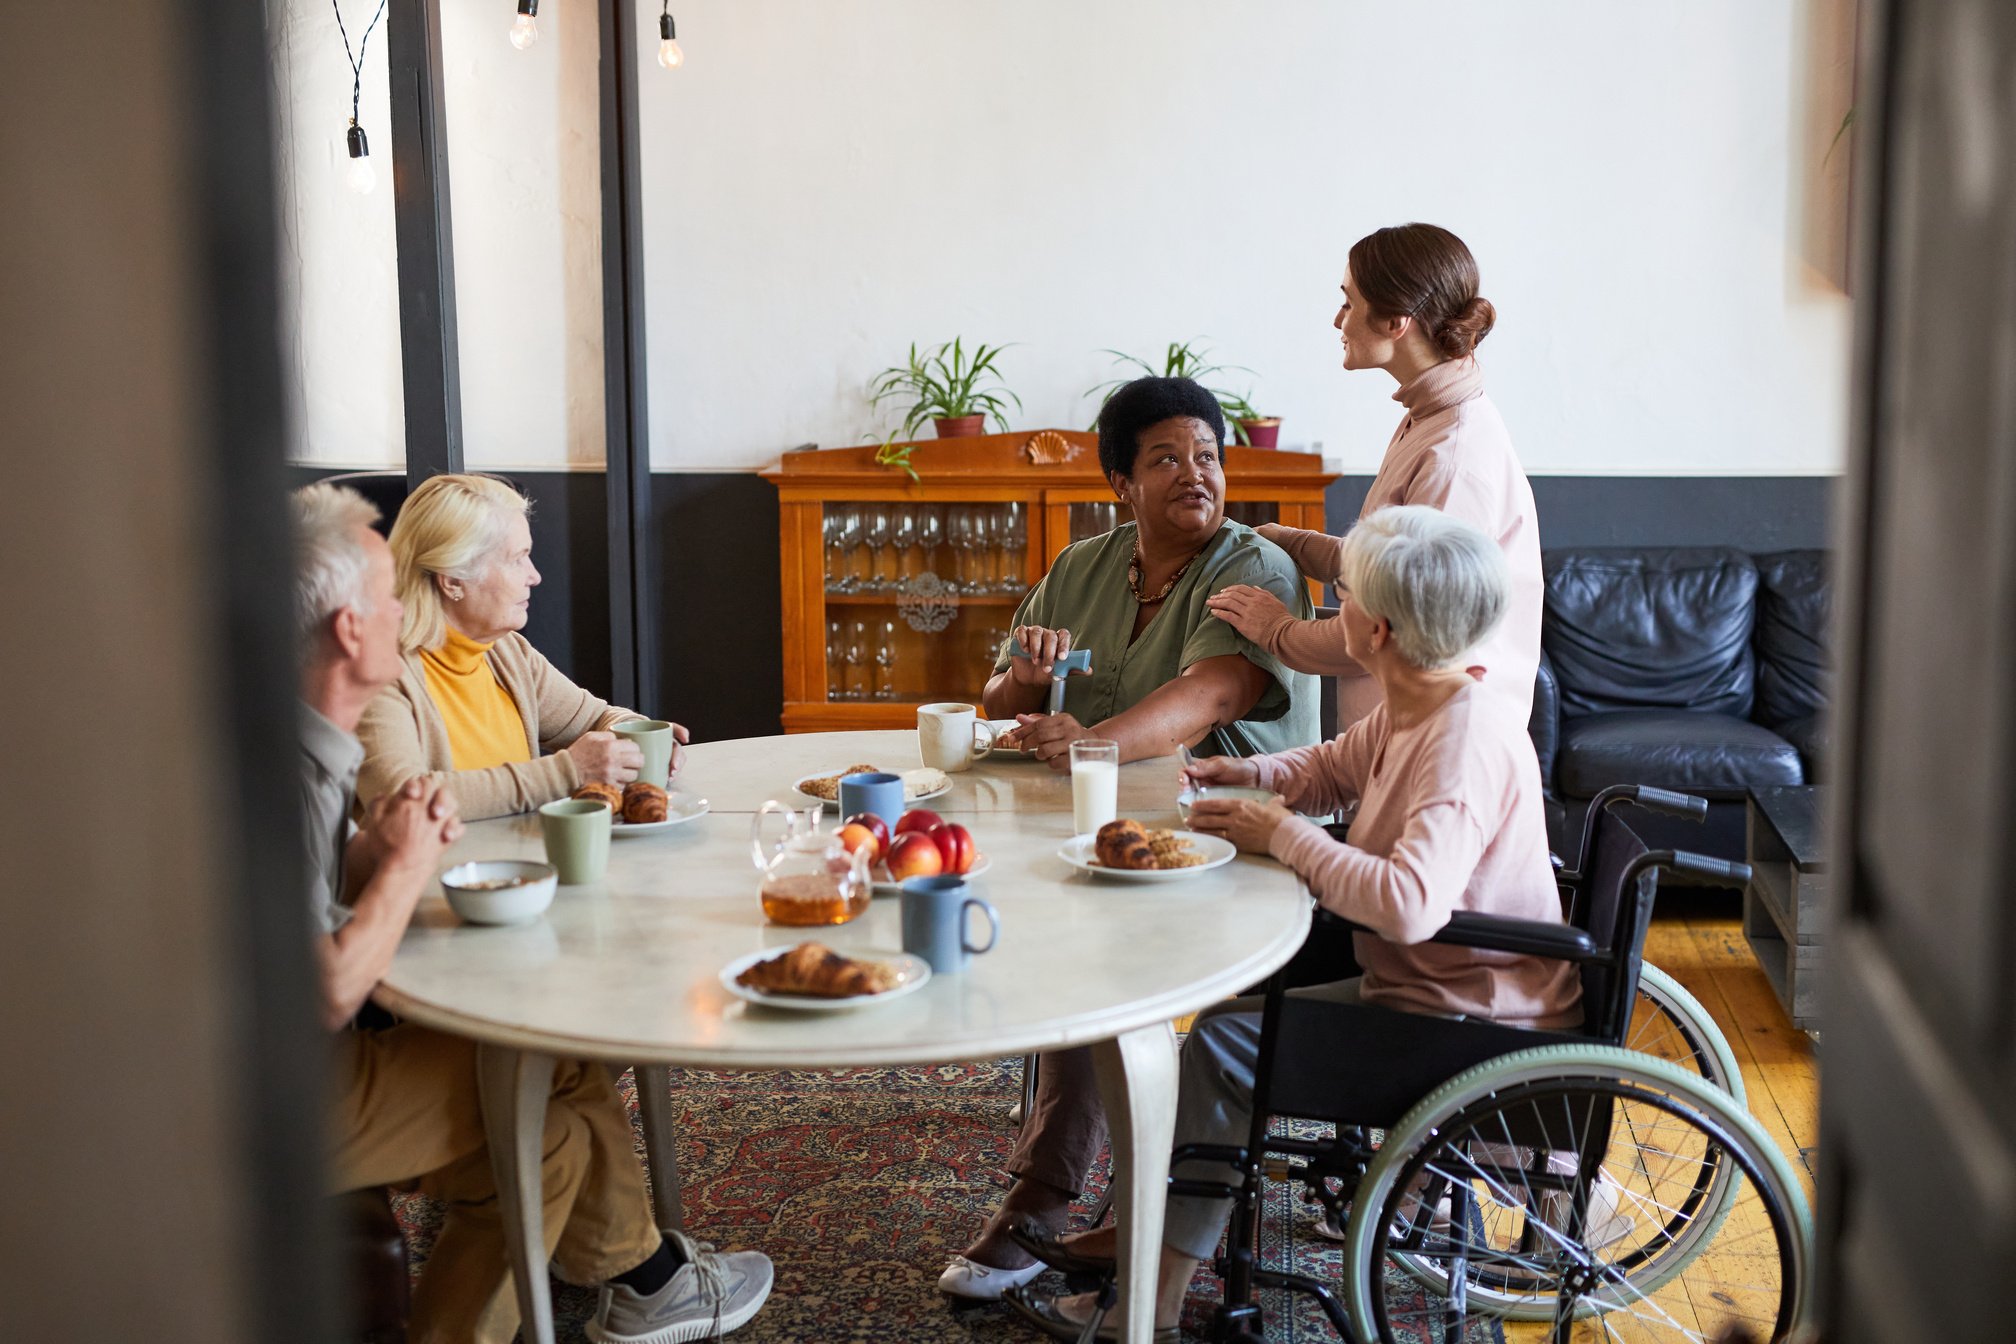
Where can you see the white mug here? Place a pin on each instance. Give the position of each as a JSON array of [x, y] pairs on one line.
[[951, 737]]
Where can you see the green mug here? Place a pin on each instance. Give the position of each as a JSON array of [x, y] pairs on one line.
[[654, 738], [577, 838]]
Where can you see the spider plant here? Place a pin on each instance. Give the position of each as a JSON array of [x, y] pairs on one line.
[[1181, 359], [947, 383]]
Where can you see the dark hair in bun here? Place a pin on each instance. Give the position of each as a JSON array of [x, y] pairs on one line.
[[1426, 273]]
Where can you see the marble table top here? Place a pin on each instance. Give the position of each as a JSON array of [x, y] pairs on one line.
[[627, 969]]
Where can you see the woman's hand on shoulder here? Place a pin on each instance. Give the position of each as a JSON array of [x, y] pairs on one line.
[[1044, 647], [604, 758], [1048, 737], [1253, 612], [1246, 823]]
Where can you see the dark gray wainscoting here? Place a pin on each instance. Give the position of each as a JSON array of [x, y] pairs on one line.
[[720, 648]]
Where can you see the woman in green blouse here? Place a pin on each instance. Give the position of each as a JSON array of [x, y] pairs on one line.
[[1164, 672]]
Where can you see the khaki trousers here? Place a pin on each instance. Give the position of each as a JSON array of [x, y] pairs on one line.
[[407, 1115]]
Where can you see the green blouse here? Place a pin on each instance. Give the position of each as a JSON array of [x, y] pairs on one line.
[[1086, 593]]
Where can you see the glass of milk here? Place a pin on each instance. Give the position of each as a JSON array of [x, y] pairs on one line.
[[1095, 784]]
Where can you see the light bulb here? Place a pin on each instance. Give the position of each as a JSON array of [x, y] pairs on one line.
[[361, 176], [524, 31], [669, 54]]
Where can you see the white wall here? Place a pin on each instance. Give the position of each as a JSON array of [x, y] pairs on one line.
[[826, 182]]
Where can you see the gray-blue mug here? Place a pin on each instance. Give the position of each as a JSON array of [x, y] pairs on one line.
[[879, 793], [934, 922]]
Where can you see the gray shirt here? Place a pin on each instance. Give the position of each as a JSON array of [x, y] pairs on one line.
[[329, 761]]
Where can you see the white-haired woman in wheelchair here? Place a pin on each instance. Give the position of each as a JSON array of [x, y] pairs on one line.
[[1450, 817]]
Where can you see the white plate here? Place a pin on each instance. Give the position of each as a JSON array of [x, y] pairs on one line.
[[1079, 849], [798, 787], [679, 809], [889, 886], [1008, 753], [916, 974]]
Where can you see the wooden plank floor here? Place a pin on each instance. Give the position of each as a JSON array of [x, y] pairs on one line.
[[1698, 940]]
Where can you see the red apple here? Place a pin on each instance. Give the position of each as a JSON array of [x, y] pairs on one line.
[[916, 819], [855, 837], [914, 854], [876, 827], [955, 845]]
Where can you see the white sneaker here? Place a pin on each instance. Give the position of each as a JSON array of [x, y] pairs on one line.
[[709, 1295], [971, 1281]]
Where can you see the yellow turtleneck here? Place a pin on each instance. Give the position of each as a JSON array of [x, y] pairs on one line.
[[483, 722]]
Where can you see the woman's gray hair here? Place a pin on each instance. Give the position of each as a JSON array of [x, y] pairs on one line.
[[330, 562], [1438, 581]]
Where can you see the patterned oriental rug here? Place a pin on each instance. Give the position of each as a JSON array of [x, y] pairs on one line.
[[859, 1184]]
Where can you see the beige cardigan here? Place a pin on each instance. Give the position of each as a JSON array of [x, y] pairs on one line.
[[404, 736]]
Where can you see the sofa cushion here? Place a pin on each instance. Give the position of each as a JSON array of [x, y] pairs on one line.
[[1793, 600], [1651, 629], [1813, 738], [1544, 726], [1716, 755]]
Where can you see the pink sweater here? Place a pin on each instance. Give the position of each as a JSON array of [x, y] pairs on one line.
[[1452, 453], [1449, 818]]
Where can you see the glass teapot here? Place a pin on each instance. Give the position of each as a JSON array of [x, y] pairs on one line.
[[808, 876]]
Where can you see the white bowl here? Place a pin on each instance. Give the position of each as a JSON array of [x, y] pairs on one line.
[[1184, 799], [529, 893]]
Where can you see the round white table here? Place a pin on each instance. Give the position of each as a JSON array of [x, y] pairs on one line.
[[626, 970]]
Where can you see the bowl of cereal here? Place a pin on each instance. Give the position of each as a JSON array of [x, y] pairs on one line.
[[500, 891]]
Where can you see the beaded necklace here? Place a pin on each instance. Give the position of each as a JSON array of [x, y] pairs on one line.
[[1134, 577]]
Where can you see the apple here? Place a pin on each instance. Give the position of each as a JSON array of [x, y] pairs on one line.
[[955, 845], [855, 837], [916, 819], [875, 827], [914, 854]]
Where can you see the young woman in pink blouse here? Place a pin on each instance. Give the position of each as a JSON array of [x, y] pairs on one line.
[[1411, 308], [1449, 818]]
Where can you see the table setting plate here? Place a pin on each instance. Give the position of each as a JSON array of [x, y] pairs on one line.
[[680, 808], [909, 799], [889, 886], [1008, 753], [915, 970], [1078, 851]]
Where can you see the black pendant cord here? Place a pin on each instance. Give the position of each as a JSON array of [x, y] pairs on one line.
[[357, 60]]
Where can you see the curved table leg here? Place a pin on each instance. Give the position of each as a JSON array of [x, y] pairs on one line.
[[1137, 1083], [514, 1087], [661, 1143]]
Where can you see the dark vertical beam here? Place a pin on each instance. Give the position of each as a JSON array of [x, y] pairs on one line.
[[631, 625], [429, 359]]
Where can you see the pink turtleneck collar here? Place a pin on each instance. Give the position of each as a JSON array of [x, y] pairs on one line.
[[1449, 383]]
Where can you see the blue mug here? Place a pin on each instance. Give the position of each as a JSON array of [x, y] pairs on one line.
[[934, 922], [879, 793]]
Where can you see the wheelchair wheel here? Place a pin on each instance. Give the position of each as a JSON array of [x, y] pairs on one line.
[[1669, 1023], [1616, 1195]]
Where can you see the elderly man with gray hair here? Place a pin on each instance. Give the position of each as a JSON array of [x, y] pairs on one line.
[[406, 1107], [1450, 817]]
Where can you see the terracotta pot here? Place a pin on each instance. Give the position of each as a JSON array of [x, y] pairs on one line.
[[960, 426], [1263, 433]]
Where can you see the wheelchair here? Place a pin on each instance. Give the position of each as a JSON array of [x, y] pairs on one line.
[[1495, 1173]]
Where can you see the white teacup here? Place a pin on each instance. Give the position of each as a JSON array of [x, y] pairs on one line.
[[950, 737]]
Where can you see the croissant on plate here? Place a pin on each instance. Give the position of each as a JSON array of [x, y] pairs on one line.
[[1123, 844], [643, 803], [817, 971], [608, 795]]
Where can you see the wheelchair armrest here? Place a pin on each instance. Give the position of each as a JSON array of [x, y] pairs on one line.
[[1534, 937]]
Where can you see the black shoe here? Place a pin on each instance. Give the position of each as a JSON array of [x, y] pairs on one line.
[[1040, 1310], [1053, 1252]]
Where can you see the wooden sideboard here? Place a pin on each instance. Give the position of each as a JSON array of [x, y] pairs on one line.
[[898, 591]]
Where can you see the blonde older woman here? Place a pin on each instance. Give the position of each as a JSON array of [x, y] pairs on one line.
[[1449, 818], [476, 705]]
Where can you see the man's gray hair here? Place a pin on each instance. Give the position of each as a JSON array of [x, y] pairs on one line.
[[329, 573], [1438, 581]]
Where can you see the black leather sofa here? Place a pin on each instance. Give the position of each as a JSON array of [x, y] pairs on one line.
[[1702, 670]]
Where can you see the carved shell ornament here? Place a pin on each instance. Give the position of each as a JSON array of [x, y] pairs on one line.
[[1048, 448]]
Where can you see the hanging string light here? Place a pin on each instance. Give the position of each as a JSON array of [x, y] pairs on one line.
[[362, 176], [669, 54], [525, 28]]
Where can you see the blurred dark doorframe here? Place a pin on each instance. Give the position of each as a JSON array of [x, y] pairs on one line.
[[161, 1077], [1918, 1113]]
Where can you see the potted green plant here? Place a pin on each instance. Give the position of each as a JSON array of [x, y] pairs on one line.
[[1186, 359], [956, 391]]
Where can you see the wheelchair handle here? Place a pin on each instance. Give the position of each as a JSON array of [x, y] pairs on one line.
[[1700, 865], [1668, 801]]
